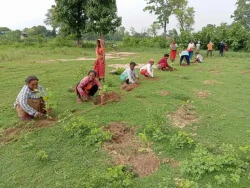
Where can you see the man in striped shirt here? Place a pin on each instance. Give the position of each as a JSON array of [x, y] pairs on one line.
[[29, 102]]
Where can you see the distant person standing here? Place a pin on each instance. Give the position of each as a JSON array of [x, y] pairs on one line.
[[173, 52], [198, 46], [210, 49], [191, 49], [221, 48]]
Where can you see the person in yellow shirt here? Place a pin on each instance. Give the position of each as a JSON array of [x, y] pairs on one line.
[[210, 49]]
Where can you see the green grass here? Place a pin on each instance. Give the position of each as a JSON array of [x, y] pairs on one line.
[[224, 115]]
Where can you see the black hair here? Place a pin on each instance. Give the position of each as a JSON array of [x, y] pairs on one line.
[[30, 78], [132, 63], [166, 55], [92, 71]]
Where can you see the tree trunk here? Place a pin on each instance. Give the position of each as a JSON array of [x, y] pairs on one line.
[[165, 28]]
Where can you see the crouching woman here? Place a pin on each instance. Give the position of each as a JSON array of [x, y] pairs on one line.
[[29, 102], [87, 87]]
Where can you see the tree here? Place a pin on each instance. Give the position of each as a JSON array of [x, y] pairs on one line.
[[242, 13], [152, 31], [184, 14], [36, 30], [51, 21], [72, 15], [161, 8], [3, 30], [102, 16]]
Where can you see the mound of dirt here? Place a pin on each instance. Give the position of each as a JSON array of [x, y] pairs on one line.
[[202, 94], [108, 97], [128, 87], [185, 115], [13, 133], [210, 82], [127, 149], [165, 93]]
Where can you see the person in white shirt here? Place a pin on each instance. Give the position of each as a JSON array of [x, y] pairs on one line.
[[147, 69], [198, 58], [190, 49], [129, 75], [198, 46]]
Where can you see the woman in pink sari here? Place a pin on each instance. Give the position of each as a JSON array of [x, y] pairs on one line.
[[99, 65]]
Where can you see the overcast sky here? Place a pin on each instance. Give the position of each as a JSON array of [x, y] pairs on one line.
[[19, 14]]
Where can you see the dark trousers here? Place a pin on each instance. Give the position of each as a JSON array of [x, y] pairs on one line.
[[210, 52], [92, 91], [187, 59], [221, 52]]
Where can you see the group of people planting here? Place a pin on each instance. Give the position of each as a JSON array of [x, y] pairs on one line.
[[30, 104]]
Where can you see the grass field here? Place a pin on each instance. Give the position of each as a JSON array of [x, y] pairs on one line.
[[213, 98]]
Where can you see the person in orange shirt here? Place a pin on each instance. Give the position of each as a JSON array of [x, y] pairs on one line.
[[210, 49]]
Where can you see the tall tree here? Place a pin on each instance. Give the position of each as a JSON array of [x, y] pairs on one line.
[[152, 30], [102, 16], [184, 14], [72, 14], [161, 8], [242, 13], [50, 20]]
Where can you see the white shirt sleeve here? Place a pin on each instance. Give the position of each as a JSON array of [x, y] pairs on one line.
[[150, 70]]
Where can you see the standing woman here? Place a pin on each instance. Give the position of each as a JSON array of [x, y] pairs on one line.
[[173, 52], [191, 49], [99, 65]]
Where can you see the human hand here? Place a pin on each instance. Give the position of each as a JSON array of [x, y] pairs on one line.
[[39, 114]]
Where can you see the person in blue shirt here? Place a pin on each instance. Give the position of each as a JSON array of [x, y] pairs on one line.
[[184, 55]]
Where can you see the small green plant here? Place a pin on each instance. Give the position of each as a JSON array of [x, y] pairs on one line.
[[220, 179], [115, 177], [204, 162], [156, 132], [119, 71], [182, 139], [83, 128], [42, 155], [144, 138], [185, 183]]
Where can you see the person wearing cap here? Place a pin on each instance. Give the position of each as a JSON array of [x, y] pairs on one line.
[[129, 75], [29, 102], [147, 69]]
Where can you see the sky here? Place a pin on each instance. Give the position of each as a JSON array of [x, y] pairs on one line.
[[16, 14]]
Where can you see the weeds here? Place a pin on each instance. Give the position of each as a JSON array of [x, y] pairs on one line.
[[182, 139], [81, 127], [42, 155]]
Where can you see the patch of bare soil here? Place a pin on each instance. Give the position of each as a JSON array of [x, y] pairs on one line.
[[1, 67], [215, 72], [128, 87], [244, 72], [127, 149], [185, 115], [13, 133], [202, 94], [108, 97], [165, 93], [210, 82]]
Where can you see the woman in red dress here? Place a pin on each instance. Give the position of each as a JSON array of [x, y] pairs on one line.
[[173, 52], [99, 65]]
